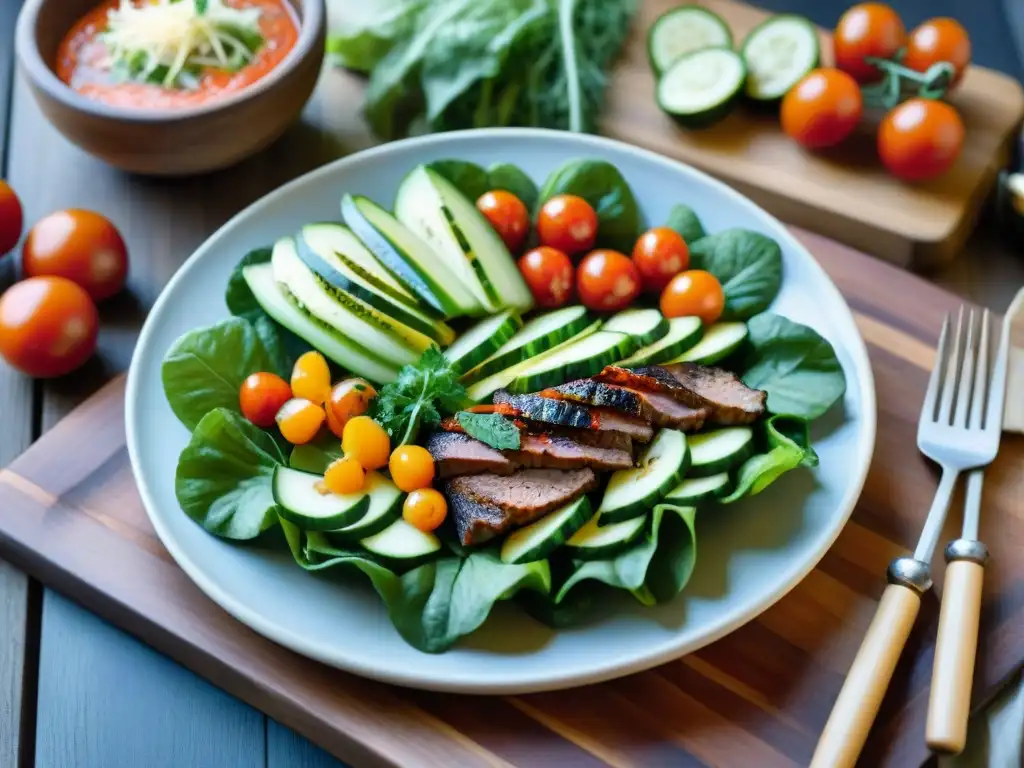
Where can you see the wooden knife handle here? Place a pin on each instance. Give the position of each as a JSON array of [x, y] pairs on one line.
[[855, 709]]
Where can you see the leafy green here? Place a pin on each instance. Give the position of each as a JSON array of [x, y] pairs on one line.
[[315, 456], [600, 184], [418, 397], [469, 178], [512, 179], [238, 297], [747, 264], [493, 429], [788, 447], [683, 219], [359, 43], [796, 367], [224, 474]]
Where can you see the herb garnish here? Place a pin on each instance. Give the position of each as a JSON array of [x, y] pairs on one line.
[[492, 428], [418, 397]]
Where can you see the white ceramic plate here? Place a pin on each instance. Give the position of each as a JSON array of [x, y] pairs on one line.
[[748, 556]]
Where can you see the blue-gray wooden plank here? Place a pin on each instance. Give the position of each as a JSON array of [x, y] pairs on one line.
[[287, 749]]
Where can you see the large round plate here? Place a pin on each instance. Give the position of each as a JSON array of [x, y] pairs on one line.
[[748, 556]]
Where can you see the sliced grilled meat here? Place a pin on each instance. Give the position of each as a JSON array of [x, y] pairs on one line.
[[561, 452], [456, 453], [661, 410], [547, 410], [475, 523]]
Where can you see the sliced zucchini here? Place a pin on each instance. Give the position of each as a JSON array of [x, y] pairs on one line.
[[540, 334], [646, 326], [333, 344], [719, 450], [631, 492], [601, 542], [696, 490], [778, 53], [412, 261], [683, 333], [400, 544], [702, 87], [720, 341], [483, 339], [538, 540], [683, 30], [578, 360], [384, 508], [300, 500]]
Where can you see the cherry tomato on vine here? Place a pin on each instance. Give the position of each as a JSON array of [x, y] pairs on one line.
[[822, 109], [694, 293], [411, 467], [549, 273], [425, 509], [261, 397], [938, 40], [660, 254], [10, 218], [82, 246], [508, 216], [867, 29], [920, 139], [568, 223], [48, 326], [607, 280]]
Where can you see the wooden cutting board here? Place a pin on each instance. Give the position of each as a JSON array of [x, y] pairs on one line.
[[71, 517], [844, 193]]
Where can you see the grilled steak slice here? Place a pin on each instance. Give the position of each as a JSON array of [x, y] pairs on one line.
[[661, 410], [456, 453], [561, 452], [475, 523], [548, 410]]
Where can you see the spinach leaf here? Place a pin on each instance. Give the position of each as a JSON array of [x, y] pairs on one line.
[[238, 297], [747, 264], [796, 367], [469, 178], [601, 185], [512, 179], [223, 479], [363, 33], [205, 368], [493, 429], [315, 456], [788, 447], [683, 219]]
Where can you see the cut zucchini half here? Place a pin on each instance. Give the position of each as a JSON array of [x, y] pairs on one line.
[[697, 490], [299, 500], [578, 360], [683, 30], [719, 450], [631, 492], [384, 508], [702, 87], [333, 344], [778, 53], [601, 542], [483, 339], [683, 333], [401, 544], [720, 341], [646, 326], [538, 540]]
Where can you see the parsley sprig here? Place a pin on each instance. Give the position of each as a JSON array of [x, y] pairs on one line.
[[420, 395]]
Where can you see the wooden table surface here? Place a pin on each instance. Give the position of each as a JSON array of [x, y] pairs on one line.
[[76, 692]]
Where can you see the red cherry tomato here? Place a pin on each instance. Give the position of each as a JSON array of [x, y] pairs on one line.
[[548, 272], [607, 280], [10, 218], [261, 397], [568, 223], [508, 216], [660, 254], [920, 139], [822, 109], [695, 293], [867, 29], [80, 245], [48, 326], [938, 40]]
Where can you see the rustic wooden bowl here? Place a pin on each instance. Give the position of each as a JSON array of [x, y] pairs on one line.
[[168, 142]]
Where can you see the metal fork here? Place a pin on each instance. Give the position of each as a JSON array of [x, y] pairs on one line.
[[956, 441]]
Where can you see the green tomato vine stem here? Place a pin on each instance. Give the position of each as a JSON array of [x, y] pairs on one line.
[[899, 82]]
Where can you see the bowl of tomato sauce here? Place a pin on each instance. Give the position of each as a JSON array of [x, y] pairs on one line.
[[171, 87]]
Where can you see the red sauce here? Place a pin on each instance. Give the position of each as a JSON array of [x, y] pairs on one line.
[[80, 61], [505, 409]]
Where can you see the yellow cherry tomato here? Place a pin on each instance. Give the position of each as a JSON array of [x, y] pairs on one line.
[[366, 441], [412, 467], [299, 420], [425, 509], [344, 475], [311, 378], [348, 399]]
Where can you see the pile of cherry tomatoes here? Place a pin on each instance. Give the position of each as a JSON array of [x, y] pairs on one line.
[[603, 279], [919, 138], [71, 260]]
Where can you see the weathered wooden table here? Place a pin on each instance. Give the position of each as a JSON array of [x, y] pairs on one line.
[[74, 691]]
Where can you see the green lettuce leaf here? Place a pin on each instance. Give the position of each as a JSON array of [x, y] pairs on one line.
[[788, 446], [747, 264]]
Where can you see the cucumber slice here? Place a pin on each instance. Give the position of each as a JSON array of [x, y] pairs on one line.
[[702, 87], [601, 542], [778, 53], [696, 490], [483, 339], [334, 345], [683, 333], [412, 261], [580, 359], [299, 500], [538, 540], [540, 334], [646, 326], [385, 507], [719, 450], [400, 544], [720, 341], [631, 492], [337, 309], [684, 30]]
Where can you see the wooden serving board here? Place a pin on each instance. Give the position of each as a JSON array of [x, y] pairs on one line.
[[70, 516], [844, 193]]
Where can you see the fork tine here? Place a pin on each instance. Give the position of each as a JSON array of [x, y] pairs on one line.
[[981, 374], [931, 395], [952, 373], [963, 397], [997, 397]]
